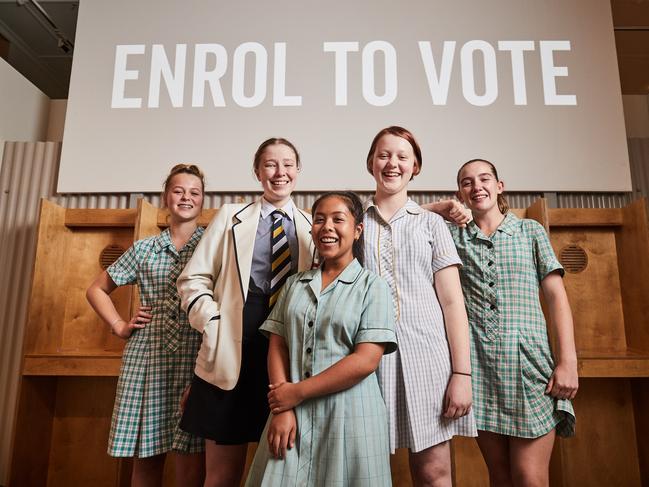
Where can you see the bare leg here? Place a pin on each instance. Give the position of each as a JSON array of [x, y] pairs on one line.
[[147, 472], [432, 467], [224, 464], [190, 469], [530, 460], [495, 451]]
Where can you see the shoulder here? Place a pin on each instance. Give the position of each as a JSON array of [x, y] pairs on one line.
[[532, 227], [300, 213], [146, 244]]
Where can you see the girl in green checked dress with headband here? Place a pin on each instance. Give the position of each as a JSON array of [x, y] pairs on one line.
[[521, 395], [161, 347]]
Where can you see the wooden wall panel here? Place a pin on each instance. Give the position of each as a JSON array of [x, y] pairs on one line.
[[604, 452], [83, 329], [80, 433], [33, 432], [594, 294], [633, 248]]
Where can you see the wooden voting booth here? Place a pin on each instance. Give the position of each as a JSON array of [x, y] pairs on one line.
[[71, 361]]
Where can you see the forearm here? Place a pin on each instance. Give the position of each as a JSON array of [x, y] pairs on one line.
[[103, 305], [345, 373], [457, 331], [451, 300], [560, 319], [278, 360]]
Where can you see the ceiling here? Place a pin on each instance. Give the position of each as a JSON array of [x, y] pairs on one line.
[[38, 50]]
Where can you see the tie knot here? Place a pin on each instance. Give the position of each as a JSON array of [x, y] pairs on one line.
[[277, 214]]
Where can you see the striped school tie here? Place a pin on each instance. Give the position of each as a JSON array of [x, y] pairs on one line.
[[281, 257]]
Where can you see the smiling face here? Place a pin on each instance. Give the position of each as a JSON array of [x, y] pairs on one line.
[[478, 187], [184, 197], [334, 230], [277, 171], [393, 164]]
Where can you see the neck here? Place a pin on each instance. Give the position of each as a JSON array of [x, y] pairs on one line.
[[278, 203], [489, 221], [389, 204], [181, 231], [332, 268]]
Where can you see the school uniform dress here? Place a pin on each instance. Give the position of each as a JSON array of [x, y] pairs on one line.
[[342, 438], [228, 400], [510, 352], [158, 359], [407, 251]]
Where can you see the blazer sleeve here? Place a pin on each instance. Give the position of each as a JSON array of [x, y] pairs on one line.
[[198, 279]]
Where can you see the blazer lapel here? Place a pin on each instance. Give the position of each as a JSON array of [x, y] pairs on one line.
[[244, 231], [305, 242]]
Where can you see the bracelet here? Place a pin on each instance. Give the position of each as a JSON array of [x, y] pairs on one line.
[[461, 373]]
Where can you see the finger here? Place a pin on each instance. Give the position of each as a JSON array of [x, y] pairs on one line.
[[450, 412], [550, 385], [282, 445], [145, 308], [291, 438]]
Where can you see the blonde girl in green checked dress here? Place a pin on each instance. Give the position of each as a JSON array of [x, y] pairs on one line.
[[521, 395], [161, 347]]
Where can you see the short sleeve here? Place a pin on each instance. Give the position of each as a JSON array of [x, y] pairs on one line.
[[545, 259], [444, 251], [276, 321], [124, 270], [377, 317]]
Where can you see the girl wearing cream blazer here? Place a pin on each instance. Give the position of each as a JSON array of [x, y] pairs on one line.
[[227, 289]]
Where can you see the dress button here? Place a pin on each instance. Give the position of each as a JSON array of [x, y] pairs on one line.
[[310, 324], [308, 350], [489, 245], [491, 284], [307, 374], [172, 316], [490, 263], [492, 307]]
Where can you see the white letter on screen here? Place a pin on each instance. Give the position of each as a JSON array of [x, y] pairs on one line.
[[550, 71], [340, 66], [174, 80], [369, 90], [239, 75], [280, 98], [490, 73], [516, 49], [438, 85], [121, 74], [202, 75]]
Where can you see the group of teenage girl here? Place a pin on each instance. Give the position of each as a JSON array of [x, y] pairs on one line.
[[334, 338]]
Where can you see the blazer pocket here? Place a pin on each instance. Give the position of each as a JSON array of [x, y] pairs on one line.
[[207, 352]]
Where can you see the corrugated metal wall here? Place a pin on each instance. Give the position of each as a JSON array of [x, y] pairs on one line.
[[28, 173]]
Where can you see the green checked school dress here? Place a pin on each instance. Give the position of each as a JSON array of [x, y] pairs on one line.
[[510, 352], [158, 360]]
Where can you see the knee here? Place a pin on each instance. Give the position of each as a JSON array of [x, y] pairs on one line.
[[530, 478], [432, 473]]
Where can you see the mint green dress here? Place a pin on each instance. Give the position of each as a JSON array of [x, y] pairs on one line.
[[342, 438]]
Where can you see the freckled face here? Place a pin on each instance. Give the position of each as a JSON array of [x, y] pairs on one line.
[[393, 164]]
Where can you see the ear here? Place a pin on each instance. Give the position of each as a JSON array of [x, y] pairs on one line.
[[358, 231], [458, 195], [501, 187], [256, 171]]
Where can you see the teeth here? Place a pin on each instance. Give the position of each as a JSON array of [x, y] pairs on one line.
[[328, 240], [279, 183]]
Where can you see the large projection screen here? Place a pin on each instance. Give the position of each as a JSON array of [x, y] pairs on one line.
[[531, 86]]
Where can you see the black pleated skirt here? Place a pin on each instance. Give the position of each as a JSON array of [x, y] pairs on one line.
[[239, 415]]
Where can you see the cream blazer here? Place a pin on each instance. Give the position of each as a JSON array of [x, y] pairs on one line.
[[214, 285]]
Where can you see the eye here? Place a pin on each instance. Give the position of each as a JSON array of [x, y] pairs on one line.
[[318, 219]]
